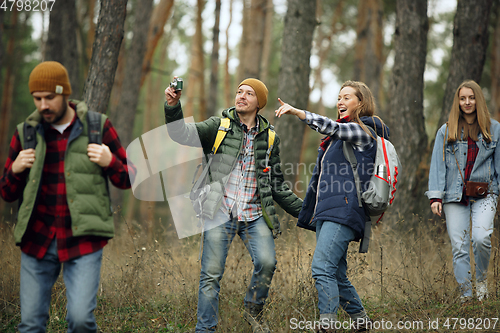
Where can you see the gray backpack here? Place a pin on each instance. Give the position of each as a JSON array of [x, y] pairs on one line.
[[382, 186]]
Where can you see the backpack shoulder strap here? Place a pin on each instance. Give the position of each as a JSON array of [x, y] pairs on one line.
[[221, 133], [27, 134], [270, 140], [94, 127], [351, 158]]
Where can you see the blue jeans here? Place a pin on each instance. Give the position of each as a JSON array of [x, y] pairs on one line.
[[81, 277], [259, 242], [458, 217], [329, 268]]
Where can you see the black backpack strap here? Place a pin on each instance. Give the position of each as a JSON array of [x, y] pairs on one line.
[[29, 135], [94, 127], [351, 158]]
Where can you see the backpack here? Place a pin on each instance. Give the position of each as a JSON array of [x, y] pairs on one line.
[[200, 189], [93, 131], [382, 185]]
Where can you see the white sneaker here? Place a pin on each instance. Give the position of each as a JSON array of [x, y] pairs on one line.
[[481, 290]]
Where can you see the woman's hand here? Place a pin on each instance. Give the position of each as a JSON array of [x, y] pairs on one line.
[[287, 108], [437, 208]]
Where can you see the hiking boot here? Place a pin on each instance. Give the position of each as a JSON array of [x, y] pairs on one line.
[[253, 315], [481, 290]]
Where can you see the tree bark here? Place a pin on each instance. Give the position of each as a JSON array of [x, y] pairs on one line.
[[495, 67], [108, 38], [253, 40], [368, 62], [129, 97], [470, 43], [227, 77], [406, 120], [293, 82], [8, 88], [158, 20], [62, 40], [214, 64], [196, 78]]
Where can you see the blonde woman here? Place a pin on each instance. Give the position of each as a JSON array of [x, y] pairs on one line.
[[463, 181], [331, 206]]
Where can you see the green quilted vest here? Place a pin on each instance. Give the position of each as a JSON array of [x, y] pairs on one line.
[[86, 186]]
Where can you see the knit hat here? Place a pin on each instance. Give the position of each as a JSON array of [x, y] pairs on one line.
[[260, 90], [50, 76]]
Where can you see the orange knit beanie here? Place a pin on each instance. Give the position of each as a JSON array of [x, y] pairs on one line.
[[260, 90], [50, 76]]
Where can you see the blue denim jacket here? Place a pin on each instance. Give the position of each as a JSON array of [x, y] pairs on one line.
[[445, 181]]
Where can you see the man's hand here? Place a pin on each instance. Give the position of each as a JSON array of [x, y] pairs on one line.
[[24, 160], [172, 96], [99, 154], [287, 108], [437, 208]]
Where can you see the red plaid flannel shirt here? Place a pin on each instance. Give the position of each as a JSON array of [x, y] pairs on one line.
[[51, 216]]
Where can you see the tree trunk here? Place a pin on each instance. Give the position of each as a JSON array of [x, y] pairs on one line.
[[61, 43], [8, 88], [228, 87], [495, 68], [406, 120], [90, 32], [252, 40], [129, 96], [470, 42], [214, 64], [160, 16], [196, 78], [293, 82], [2, 32], [267, 42], [108, 38], [324, 44], [368, 62]]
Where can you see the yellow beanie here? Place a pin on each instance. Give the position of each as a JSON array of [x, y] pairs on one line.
[[260, 90], [50, 76]]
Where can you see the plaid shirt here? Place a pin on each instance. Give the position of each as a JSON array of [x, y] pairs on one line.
[[472, 151], [51, 214], [241, 193], [341, 129]]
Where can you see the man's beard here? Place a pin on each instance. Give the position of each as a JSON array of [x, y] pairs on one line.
[[62, 110]]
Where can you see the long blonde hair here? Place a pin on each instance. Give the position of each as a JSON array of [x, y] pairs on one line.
[[366, 107], [456, 120]]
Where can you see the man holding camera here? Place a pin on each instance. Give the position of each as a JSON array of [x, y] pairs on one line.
[[61, 181], [247, 179]]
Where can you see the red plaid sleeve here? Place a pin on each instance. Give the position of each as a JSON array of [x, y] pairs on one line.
[[119, 171], [11, 184]]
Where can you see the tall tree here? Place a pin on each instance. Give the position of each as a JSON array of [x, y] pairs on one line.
[[196, 77], [160, 16], [214, 63], [470, 43], [107, 42], [252, 42], [267, 42], [127, 107], [293, 86], [495, 66], [62, 39], [8, 86], [369, 59], [227, 76], [406, 109]]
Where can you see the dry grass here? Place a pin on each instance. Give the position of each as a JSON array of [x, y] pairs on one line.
[[149, 282]]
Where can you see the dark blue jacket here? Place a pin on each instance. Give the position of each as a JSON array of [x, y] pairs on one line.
[[331, 194]]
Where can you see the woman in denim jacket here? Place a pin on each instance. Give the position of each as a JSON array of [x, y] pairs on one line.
[[465, 149], [331, 206]]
